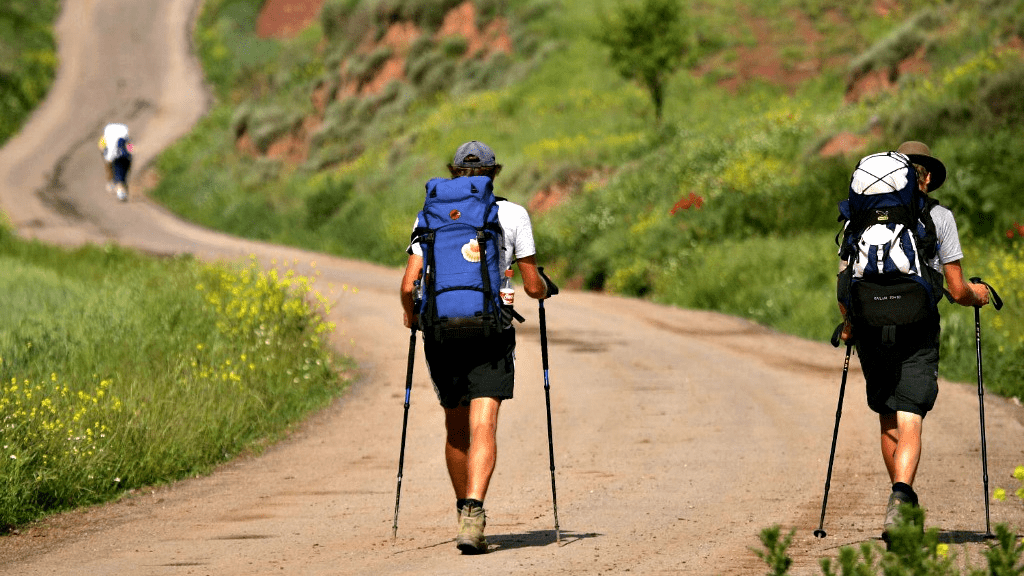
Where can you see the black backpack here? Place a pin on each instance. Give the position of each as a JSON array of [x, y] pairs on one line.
[[888, 238]]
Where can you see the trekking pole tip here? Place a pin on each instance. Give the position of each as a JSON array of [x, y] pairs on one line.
[[819, 533]]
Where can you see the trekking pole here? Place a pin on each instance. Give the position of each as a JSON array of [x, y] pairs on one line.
[[552, 290], [405, 426], [997, 304], [820, 532]]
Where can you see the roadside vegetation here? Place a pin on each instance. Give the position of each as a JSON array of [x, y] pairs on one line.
[[728, 204], [913, 551], [119, 370], [28, 59]]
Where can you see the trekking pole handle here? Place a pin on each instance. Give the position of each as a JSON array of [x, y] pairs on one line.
[[997, 302], [552, 289], [837, 335]]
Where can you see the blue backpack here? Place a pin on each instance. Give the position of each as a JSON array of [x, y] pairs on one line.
[[888, 239], [461, 238], [122, 149]]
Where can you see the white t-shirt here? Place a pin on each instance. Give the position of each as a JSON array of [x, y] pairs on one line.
[[111, 134], [518, 234]]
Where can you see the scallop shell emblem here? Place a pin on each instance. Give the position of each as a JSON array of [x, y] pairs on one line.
[[471, 251]]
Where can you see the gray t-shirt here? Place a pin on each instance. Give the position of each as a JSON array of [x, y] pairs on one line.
[[949, 249], [947, 238]]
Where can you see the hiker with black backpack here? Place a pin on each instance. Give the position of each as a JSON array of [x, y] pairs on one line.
[[898, 245], [464, 241]]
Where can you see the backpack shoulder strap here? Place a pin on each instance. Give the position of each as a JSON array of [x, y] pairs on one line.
[[928, 242]]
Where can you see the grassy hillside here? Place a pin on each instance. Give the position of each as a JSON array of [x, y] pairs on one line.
[[28, 59], [324, 141]]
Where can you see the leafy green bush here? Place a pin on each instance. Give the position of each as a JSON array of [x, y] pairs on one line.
[[227, 44], [647, 41], [323, 205], [887, 54], [365, 66]]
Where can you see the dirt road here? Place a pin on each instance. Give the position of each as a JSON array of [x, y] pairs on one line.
[[678, 435]]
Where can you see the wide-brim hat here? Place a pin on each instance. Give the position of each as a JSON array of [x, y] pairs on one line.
[[919, 153]]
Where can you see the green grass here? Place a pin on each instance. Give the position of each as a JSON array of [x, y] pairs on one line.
[[28, 59], [119, 371]]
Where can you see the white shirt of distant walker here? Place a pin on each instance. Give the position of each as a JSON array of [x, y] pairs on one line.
[[111, 134]]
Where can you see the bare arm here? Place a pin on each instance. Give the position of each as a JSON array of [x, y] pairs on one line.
[[965, 294], [532, 282], [408, 291]]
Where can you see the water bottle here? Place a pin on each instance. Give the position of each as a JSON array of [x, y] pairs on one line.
[[507, 290]]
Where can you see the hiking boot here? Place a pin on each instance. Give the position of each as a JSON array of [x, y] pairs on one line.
[[122, 193], [471, 530], [892, 513], [892, 510]]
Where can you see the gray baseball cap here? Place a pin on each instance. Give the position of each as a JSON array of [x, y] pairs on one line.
[[473, 154]]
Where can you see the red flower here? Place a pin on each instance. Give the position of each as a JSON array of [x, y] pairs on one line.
[[686, 202]]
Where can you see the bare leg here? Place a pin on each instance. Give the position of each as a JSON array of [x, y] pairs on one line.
[[471, 448], [483, 447], [901, 445], [456, 447], [890, 438]]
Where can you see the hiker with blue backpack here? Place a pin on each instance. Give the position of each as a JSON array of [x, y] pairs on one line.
[[898, 245], [464, 241]]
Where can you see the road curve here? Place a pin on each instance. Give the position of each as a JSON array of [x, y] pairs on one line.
[[678, 434]]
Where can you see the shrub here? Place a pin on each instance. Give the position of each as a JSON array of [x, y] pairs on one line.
[[911, 551], [1003, 95], [324, 204], [454, 46], [900, 44]]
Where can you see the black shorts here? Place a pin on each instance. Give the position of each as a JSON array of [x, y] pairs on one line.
[[464, 369], [902, 377]]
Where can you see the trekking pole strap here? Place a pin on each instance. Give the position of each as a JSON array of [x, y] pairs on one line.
[[997, 302], [837, 334]]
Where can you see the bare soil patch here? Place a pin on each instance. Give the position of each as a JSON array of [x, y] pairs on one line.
[[286, 18]]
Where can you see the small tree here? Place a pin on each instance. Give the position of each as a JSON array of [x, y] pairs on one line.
[[648, 40]]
